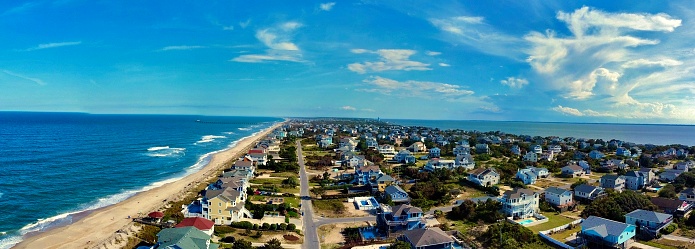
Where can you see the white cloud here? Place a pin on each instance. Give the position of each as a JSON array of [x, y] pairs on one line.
[[650, 63], [271, 40], [389, 59], [245, 24], [433, 53], [415, 88], [35, 80], [269, 56], [582, 20], [441, 64], [472, 31], [54, 45], [327, 6], [278, 40], [183, 47], [514, 82], [228, 28], [568, 111], [348, 108]]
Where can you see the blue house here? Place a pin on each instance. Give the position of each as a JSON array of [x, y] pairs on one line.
[[595, 154], [527, 176], [600, 232], [623, 152], [398, 195], [560, 198], [400, 217], [648, 221]]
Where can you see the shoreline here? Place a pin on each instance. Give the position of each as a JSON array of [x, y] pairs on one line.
[[99, 228]]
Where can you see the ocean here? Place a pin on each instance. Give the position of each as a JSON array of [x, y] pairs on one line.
[[55, 165], [657, 134]]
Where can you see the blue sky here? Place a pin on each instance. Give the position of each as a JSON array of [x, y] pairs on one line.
[[594, 61]]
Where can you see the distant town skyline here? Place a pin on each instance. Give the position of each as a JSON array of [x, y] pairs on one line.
[[548, 61]]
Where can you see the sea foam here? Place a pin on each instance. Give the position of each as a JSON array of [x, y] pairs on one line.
[[208, 138], [165, 151]]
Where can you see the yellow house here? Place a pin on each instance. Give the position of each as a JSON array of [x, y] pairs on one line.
[[384, 181], [224, 206]]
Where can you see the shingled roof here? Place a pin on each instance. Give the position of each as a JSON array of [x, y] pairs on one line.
[[427, 237], [604, 227], [652, 216]]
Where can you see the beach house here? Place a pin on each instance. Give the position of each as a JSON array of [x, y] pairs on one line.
[[183, 237], [482, 148], [648, 221], [678, 208], [428, 238], [382, 182], [538, 149], [417, 147], [484, 177], [400, 217], [530, 157], [224, 206], [202, 224], [615, 182], [559, 198], [462, 149], [587, 192], [435, 152], [404, 156], [520, 203], [595, 154], [527, 176], [365, 174], [600, 233], [397, 194], [465, 160], [572, 170], [687, 195], [635, 180], [436, 163], [540, 172]]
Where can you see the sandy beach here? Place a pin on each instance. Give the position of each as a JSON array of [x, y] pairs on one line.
[[99, 228]]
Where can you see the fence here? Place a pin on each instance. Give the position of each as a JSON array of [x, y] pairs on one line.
[[544, 234]]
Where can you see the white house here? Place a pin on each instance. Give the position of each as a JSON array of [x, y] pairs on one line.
[[537, 149], [531, 157], [555, 149], [520, 203], [484, 176], [558, 197]]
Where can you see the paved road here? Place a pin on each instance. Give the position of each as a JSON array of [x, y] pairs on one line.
[[311, 237]]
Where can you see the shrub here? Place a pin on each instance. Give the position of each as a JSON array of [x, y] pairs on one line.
[[282, 226], [222, 230], [255, 226], [265, 226], [228, 239], [287, 219], [273, 227], [670, 228], [291, 227]]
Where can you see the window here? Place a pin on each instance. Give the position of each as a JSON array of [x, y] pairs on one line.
[[219, 204], [219, 211]]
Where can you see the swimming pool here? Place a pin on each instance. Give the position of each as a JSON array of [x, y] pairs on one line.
[[367, 234], [524, 222]]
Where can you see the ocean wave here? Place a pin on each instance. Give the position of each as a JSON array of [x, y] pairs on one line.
[[208, 138], [229, 133], [244, 129], [165, 151]]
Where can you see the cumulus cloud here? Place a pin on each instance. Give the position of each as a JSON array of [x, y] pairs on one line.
[[183, 47], [278, 40], [54, 45], [327, 6], [433, 53], [514, 82], [595, 62], [441, 64], [389, 59], [35, 80], [348, 108]]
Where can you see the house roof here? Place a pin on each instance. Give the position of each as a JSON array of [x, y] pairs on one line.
[[183, 237], [556, 190], [197, 222], [385, 177], [610, 177], [633, 174], [585, 188], [228, 193], [603, 227], [688, 191], [391, 189], [405, 209], [573, 167], [517, 192], [242, 163], [645, 169], [649, 216], [427, 237], [666, 203], [479, 171]]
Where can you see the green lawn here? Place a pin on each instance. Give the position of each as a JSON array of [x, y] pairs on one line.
[[277, 181], [657, 245], [289, 190], [554, 220], [561, 236], [284, 174]]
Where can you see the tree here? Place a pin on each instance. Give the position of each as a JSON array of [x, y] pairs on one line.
[[668, 191], [242, 244], [465, 211], [273, 244], [615, 205], [400, 245], [291, 227], [291, 181]]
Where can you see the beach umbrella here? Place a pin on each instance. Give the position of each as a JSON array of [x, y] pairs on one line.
[[156, 215]]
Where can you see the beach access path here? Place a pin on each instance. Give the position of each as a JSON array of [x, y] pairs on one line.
[[99, 228]]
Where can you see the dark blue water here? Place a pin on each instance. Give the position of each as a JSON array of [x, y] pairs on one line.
[[55, 164], [637, 133]]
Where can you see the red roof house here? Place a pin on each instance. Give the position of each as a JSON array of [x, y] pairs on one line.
[[204, 225]]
